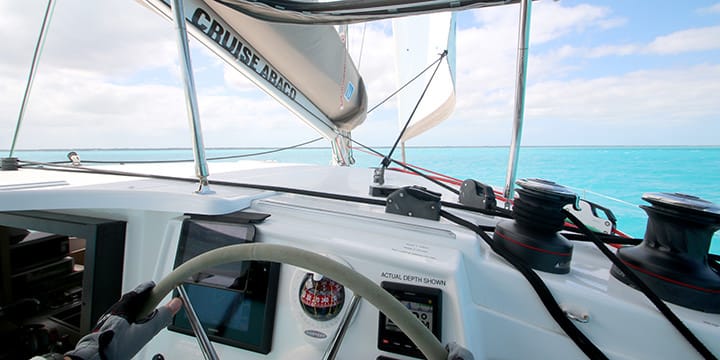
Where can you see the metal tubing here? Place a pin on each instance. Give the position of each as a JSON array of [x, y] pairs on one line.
[[33, 68], [201, 167], [519, 113], [205, 346], [334, 347]]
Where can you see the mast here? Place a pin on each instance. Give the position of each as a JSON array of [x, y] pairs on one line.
[[201, 167], [519, 112]]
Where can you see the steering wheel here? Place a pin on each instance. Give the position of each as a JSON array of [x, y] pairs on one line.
[[361, 285]]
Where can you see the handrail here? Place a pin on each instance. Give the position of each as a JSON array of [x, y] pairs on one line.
[[519, 113], [201, 167]]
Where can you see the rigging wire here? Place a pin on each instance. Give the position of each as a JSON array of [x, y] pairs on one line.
[[33, 69], [544, 293], [408, 167], [368, 148], [386, 160], [435, 177], [533, 278], [408, 83], [190, 160], [362, 46]]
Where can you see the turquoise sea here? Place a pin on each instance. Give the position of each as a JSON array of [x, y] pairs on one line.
[[614, 177]]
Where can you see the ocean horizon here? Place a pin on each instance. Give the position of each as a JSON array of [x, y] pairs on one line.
[[372, 146], [615, 177]]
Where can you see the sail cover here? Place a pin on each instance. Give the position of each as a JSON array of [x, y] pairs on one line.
[[419, 41], [349, 11], [305, 68]]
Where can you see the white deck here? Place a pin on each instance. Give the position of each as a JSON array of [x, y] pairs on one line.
[[487, 305]]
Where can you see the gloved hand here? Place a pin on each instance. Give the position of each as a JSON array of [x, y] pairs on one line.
[[119, 334], [457, 352]]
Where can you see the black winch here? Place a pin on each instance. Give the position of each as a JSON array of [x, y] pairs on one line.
[[673, 257], [533, 235]]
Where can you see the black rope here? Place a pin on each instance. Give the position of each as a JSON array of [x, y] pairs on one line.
[[407, 83], [320, 194], [386, 159], [535, 281], [500, 212], [267, 151], [649, 293], [546, 297], [426, 177], [52, 166], [403, 165]]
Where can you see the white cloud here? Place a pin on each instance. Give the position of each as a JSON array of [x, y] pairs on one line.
[[643, 96], [565, 94], [550, 21], [91, 89], [698, 39], [83, 97], [111, 37], [553, 20], [712, 9], [683, 41], [645, 107]]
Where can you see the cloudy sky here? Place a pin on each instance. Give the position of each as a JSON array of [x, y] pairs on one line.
[[600, 73]]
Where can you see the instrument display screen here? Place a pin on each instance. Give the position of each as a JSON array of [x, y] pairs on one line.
[[424, 302], [235, 302]]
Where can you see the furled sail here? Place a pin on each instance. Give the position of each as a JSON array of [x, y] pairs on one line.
[[306, 68], [419, 42]]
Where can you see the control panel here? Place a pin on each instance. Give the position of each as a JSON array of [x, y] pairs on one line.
[[235, 302]]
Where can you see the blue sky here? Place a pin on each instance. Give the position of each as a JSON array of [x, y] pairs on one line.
[[600, 73]]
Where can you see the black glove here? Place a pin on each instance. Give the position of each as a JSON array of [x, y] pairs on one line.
[[457, 352], [119, 334]]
